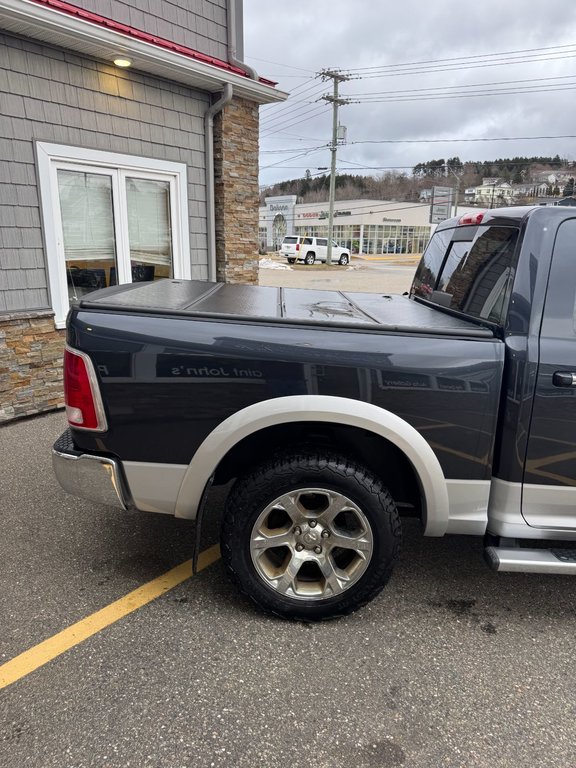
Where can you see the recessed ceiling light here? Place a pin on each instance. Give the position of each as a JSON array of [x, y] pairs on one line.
[[122, 61]]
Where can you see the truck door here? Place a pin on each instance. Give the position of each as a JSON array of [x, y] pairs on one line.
[[549, 489]]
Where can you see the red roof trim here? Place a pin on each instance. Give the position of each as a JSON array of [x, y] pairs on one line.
[[138, 34]]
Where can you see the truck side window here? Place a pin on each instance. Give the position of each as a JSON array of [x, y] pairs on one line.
[[478, 282], [429, 268], [559, 321], [469, 270]]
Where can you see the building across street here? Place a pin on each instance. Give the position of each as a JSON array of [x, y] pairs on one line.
[[364, 226]]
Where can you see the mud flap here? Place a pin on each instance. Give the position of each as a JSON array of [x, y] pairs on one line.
[[198, 525]]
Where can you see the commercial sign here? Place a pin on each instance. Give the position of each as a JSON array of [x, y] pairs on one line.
[[441, 205], [322, 214]]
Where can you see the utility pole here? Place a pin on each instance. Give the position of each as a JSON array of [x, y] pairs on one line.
[[337, 78], [456, 195], [456, 188]]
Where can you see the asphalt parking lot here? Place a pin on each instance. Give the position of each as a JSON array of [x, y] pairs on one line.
[[386, 274], [451, 666]]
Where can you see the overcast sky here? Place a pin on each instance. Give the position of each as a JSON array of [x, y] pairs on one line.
[[419, 50]]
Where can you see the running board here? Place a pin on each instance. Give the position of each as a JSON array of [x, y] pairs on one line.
[[531, 560]]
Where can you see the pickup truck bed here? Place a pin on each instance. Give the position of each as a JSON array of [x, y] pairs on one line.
[[215, 301]]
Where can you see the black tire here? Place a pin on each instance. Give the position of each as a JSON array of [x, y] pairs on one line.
[[344, 259], [310, 258], [291, 261], [256, 567]]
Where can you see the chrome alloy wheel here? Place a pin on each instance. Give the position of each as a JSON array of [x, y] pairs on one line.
[[312, 543]]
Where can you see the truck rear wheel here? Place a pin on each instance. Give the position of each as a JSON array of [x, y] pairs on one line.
[[310, 536], [310, 258]]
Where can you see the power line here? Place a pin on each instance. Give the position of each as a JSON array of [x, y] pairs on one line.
[[281, 119], [292, 149], [314, 87], [361, 166], [302, 154], [296, 137], [449, 141], [454, 68], [507, 163], [468, 58], [280, 64], [311, 86], [400, 167], [306, 81], [435, 94], [460, 141], [459, 87], [295, 109], [439, 97], [428, 94], [279, 134], [297, 122], [431, 94]]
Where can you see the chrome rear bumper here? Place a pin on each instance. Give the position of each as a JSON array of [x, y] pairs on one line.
[[97, 478]]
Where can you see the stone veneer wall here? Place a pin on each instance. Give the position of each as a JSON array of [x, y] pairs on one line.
[[31, 352], [236, 192]]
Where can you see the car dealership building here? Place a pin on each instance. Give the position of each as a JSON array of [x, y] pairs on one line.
[[364, 226]]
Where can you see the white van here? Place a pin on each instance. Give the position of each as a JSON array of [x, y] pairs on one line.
[[311, 249]]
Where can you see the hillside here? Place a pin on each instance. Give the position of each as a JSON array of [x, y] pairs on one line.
[[408, 186]]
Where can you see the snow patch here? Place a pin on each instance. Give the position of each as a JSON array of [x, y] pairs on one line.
[[271, 264]]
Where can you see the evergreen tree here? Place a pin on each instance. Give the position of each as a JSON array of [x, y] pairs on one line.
[[517, 177]]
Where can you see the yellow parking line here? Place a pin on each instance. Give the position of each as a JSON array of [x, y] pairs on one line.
[[54, 646]]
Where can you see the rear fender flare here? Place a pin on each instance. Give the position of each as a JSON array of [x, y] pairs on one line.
[[339, 410]]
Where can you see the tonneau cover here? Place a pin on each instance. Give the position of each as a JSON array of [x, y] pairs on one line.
[[197, 298]]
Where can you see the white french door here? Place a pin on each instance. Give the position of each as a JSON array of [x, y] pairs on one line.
[[110, 223]]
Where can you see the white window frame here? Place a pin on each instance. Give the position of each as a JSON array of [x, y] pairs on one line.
[[52, 157]]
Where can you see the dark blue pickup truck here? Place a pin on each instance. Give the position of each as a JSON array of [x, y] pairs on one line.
[[334, 414]]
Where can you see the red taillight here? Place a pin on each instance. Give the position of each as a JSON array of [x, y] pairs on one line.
[[297, 246], [471, 218], [83, 404]]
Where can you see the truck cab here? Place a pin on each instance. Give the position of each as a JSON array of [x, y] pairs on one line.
[[528, 289]]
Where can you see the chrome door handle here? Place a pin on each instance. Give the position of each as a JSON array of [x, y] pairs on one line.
[[564, 379]]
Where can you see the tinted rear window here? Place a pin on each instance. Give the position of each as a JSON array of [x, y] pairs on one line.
[[470, 276], [290, 240]]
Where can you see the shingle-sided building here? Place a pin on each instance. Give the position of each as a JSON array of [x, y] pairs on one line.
[[128, 151]]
